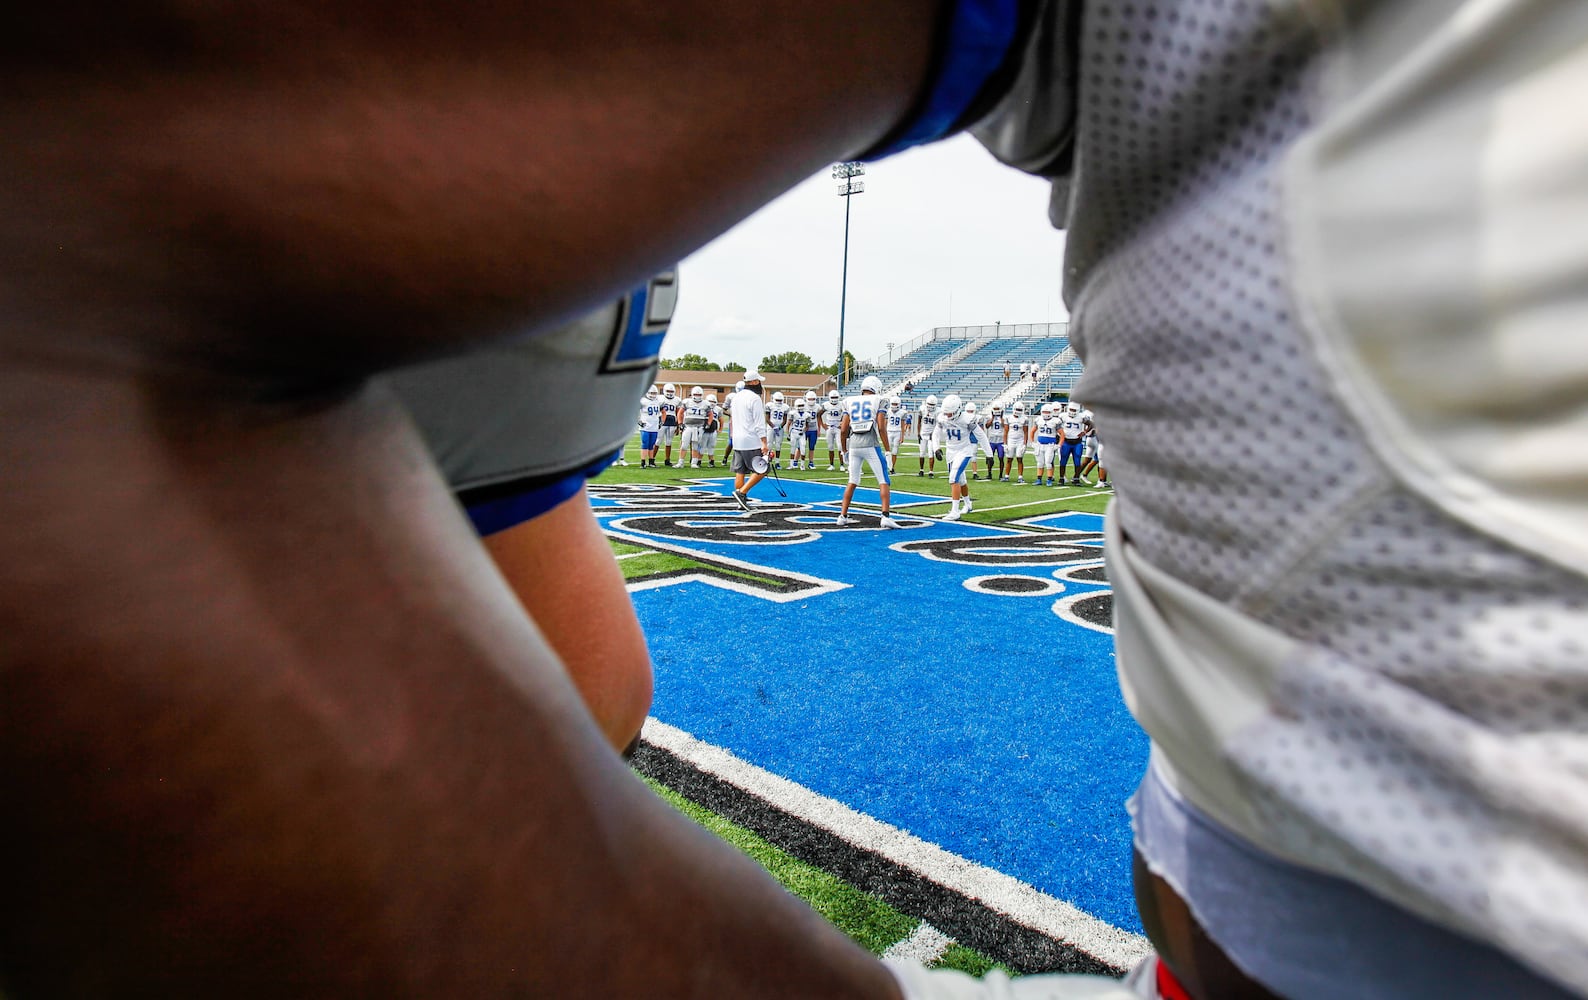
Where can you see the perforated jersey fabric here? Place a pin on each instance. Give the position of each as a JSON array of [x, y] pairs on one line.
[[1401, 694]]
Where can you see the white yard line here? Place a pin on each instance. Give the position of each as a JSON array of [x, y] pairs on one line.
[[1005, 894], [925, 944]]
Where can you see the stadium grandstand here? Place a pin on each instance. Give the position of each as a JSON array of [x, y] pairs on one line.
[[971, 361]]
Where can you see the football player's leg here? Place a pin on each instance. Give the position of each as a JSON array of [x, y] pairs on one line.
[[587, 616]]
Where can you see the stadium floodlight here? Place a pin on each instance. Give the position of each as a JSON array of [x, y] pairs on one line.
[[846, 174]]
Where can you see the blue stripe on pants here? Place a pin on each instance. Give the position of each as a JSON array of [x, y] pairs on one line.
[[882, 460]]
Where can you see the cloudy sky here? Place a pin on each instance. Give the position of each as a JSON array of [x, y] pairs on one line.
[[942, 236]]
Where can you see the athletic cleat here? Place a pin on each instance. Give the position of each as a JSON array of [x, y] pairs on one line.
[[1003, 479], [844, 522], [695, 464], [888, 522], [952, 515], [1077, 481], [743, 499], [1020, 480], [920, 472], [968, 507], [829, 466]]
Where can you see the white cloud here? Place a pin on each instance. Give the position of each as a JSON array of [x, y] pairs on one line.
[[941, 235]]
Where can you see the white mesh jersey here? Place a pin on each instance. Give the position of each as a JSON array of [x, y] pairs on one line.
[[957, 435], [1341, 247], [499, 417], [776, 416], [895, 423], [832, 414], [863, 412]]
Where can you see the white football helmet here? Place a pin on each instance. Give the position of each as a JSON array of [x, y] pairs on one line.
[[777, 397], [871, 384], [711, 397], [931, 401], [738, 385], [894, 402], [833, 397], [1072, 407], [810, 394], [970, 409], [951, 405], [669, 390], [1019, 409], [697, 394], [1047, 409], [997, 409], [651, 393], [799, 404]]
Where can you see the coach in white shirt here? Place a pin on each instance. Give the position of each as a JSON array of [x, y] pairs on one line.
[[750, 451]]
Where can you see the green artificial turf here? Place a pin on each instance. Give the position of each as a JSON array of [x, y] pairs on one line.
[[868, 921]]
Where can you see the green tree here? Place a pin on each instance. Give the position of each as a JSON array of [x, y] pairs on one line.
[[789, 362], [691, 363], [733, 366]]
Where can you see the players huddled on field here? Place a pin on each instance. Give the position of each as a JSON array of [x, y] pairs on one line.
[[1058, 439]]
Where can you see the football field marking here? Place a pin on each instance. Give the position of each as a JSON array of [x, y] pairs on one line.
[[926, 944], [1022, 903]]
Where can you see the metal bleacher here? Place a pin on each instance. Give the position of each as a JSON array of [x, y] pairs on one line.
[[970, 361]]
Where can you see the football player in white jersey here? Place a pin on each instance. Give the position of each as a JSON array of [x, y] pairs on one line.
[[1046, 436], [813, 406], [898, 421], [776, 424], [957, 433], [1019, 435], [973, 415], [865, 439], [925, 450], [650, 426], [715, 415], [997, 426], [1073, 428], [832, 423], [692, 440], [1092, 452], [799, 424], [671, 403]]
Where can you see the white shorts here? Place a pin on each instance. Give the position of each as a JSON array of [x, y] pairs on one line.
[[923, 447], [709, 442], [959, 463], [796, 444], [1046, 454], [693, 438], [873, 457], [1016, 448], [834, 438], [665, 435], [774, 438]]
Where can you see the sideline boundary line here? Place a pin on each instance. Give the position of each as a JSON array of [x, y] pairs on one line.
[[1092, 944]]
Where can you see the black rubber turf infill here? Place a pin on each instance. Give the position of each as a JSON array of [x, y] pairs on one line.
[[966, 920], [1014, 584]]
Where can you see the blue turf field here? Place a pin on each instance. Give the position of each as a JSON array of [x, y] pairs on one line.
[[984, 722]]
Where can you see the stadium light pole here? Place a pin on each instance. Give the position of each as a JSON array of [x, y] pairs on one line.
[[846, 174]]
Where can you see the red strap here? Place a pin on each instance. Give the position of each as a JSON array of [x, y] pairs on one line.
[[1169, 987]]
